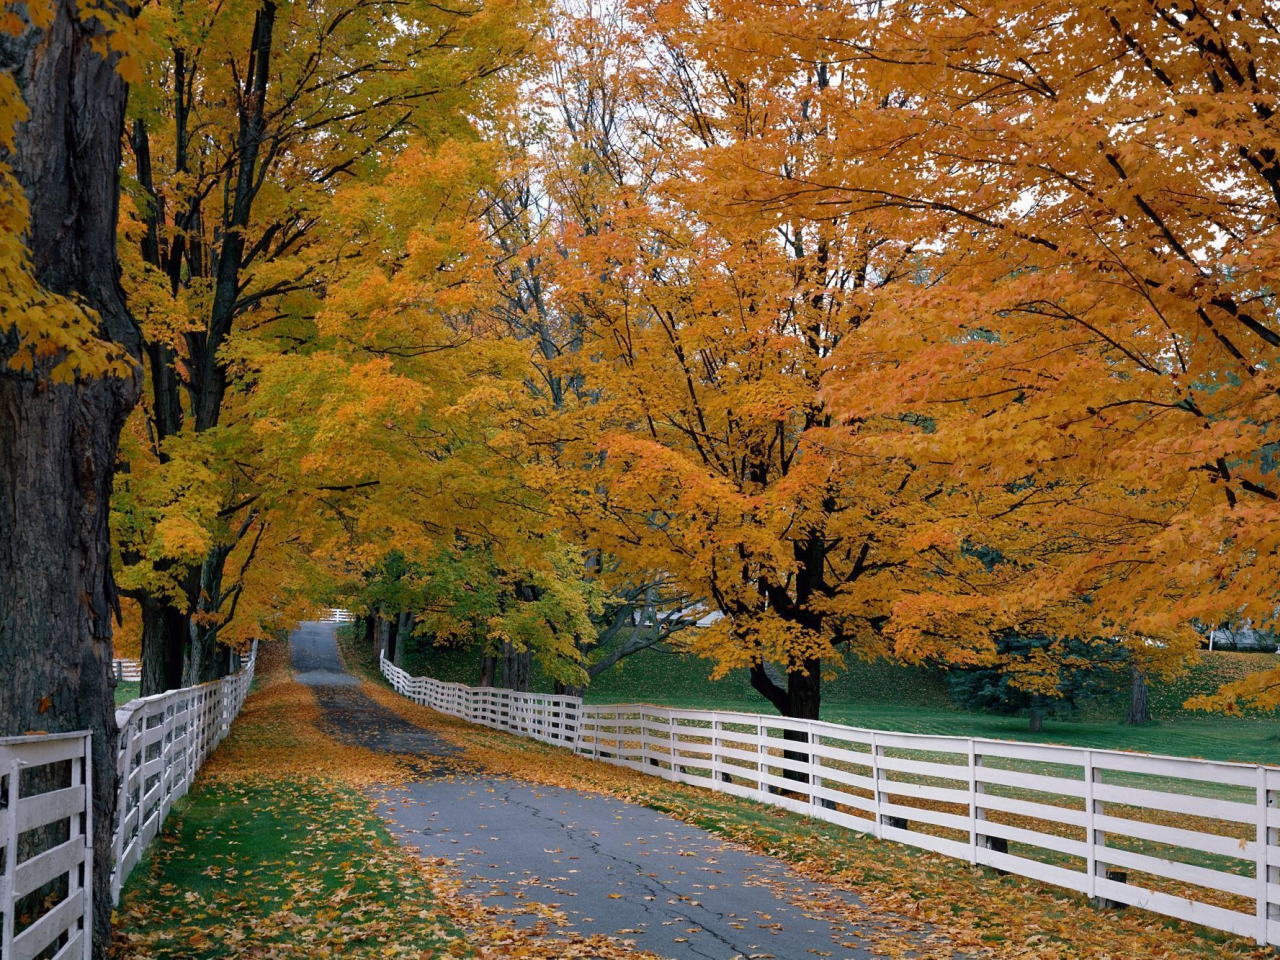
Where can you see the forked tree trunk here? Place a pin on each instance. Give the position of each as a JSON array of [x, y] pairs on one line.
[[801, 699], [58, 440]]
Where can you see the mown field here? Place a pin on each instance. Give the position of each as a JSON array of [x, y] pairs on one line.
[[887, 696]]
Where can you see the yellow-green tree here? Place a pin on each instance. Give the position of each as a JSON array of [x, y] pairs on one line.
[[256, 118]]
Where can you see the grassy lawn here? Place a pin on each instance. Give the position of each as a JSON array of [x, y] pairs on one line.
[[278, 853], [294, 866], [126, 691], [887, 696]]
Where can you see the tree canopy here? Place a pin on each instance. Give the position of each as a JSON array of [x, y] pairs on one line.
[[844, 330]]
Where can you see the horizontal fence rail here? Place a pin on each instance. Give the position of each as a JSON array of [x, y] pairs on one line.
[[127, 670], [1192, 839], [46, 810]]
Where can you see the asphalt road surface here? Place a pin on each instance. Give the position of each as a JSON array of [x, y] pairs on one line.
[[603, 865]]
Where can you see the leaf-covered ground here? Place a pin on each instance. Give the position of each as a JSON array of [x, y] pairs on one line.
[[983, 912], [278, 853]]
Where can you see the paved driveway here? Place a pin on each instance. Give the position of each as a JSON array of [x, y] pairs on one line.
[[605, 866]]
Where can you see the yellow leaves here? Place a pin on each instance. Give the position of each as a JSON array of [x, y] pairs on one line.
[[181, 537]]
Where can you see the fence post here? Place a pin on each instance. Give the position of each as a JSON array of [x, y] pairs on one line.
[[86, 882], [1273, 873], [1091, 836], [973, 802], [761, 753], [814, 766], [716, 726], [10, 856], [672, 746], [1263, 868], [875, 786]]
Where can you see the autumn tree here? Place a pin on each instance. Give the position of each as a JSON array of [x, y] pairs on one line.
[[581, 139], [254, 117], [68, 379], [708, 453], [1086, 321]]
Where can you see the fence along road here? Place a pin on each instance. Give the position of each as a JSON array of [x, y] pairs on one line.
[[46, 800], [1191, 839]]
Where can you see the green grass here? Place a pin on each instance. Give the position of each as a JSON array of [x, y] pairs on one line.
[[278, 852], [888, 696], [126, 691]]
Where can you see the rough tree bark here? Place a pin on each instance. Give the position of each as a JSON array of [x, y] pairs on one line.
[[58, 441], [517, 667], [161, 664], [800, 699]]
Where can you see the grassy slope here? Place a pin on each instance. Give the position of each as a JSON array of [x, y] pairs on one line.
[[885, 696]]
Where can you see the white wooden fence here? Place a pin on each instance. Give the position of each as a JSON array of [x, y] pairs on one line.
[[127, 669], [46, 810], [164, 740], [46, 835], [1191, 839]]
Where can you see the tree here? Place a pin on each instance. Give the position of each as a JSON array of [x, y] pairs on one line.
[[710, 453], [1092, 192], [1037, 676], [255, 117], [573, 149], [68, 379]]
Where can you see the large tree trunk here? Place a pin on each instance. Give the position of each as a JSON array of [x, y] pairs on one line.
[[164, 634], [404, 630], [58, 440], [1139, 708], [393, 637], [517, 667], [801, 699]]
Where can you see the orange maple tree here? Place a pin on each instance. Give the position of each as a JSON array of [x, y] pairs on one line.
[[1090, 195]]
